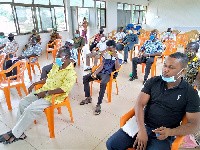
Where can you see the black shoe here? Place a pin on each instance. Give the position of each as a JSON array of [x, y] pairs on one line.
[[133, 78], [125, 62], [88, 69], [144, 81]]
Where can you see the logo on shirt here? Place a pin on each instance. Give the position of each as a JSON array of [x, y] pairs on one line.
[[179, 96]]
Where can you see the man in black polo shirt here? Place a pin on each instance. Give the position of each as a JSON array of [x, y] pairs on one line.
[[111, 62], [160, 107]]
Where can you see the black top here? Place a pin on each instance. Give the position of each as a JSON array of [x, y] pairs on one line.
[[166, 107]]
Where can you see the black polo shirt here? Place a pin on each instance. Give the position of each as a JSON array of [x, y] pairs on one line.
[[166, 107]]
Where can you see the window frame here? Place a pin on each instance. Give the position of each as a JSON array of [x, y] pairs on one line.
[[104, 9]]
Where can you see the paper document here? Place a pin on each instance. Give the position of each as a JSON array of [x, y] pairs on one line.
[[131, 127]]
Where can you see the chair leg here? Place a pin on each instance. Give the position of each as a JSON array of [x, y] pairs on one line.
[[7, 96], [162, 58], [117, 87], [79, 58], [69, 109], [29, 72], [91, 88], [39, 67], [50, 119], [47, 54], [19, 91], [143, 66], [32, 66], [109, 91], [24, 88], [59, 110], [131, 55]]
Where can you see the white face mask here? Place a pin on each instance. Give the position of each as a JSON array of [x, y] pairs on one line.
[[172, 78]]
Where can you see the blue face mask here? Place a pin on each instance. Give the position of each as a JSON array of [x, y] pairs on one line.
[[170, 79], [168, 33], [151, 37], [1, 37], [77, 35], [59, 62]]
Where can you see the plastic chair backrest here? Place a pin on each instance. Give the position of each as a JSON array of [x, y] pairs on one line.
[[170, 47], [2, 58], [182, 38]]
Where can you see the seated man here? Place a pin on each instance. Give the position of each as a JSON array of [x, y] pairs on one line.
[[68, 47], [32, 51], [119, 36], [97, 39], [160, 107], [60, 80], [53, 37], [151, 48], [129, 41], [79, 41], [34, 34], [2, 40], [101, 47], [11, 46], [111, 62], [168, 35]]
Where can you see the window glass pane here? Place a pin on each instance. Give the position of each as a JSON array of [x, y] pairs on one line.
[[145, 7], [38, 19], [46, 18], [136, 16], [98, 17], [137, 7], [144, 17], [7, 20], [120, 6], [103, 5], [56, 2], [53, 17], [5, 0], [127, 7], [25, 20], [23, 1], [88, 3], [43, 2], [141, 17], [133, 17], [133, 7], [141, 7], [103, 23], [76, 3], [98, 4], [60, 18]]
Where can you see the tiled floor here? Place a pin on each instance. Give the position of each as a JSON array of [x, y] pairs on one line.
[[88, 132]]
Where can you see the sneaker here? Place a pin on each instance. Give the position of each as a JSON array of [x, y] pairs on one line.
[[97, 109], [88, 69], [125, 62], [133, 78]]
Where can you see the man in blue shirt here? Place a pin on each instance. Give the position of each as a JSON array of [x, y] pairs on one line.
[[111, 62], [147, 52]]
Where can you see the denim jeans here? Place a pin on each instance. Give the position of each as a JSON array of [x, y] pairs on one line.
[[121, 141]]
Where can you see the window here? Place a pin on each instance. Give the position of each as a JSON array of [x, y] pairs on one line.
[[7, 20], [76, 3], [88, 3], [103, 4], [102, 15], [127, 7], [98, 4], [56, 2], [120, 6], [139, 14], [24, 19], [21, 16]]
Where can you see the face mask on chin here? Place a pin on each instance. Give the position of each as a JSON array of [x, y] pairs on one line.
[[110, 53], [172, 78], [59, 62], [77, 35], [2, 36], [168, 33]]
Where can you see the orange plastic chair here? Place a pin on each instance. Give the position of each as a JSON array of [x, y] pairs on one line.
[[31, 65], [153, 67], [131, 113], [49, 111], [2, 58], [13, 53], [10, 82], [109, 84], [182, 39], [142, 39], [56, 43], [147, 34], [171, 47], [79, 57], [56, 48]]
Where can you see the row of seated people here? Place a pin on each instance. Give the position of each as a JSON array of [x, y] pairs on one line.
[[157, 130]]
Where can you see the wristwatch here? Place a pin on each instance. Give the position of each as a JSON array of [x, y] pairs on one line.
[[47, 93], [116, 58]]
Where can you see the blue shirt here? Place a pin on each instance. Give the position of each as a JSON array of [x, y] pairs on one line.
[[150, 47], [109, 63]]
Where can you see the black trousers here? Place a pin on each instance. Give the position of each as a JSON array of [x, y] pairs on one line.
[[13, 72], [105, 78], [149, 61]]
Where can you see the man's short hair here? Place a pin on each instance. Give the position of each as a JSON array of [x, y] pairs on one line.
[[154, 31], [196, 45], [121, 28], [181, 57], [111, 43]]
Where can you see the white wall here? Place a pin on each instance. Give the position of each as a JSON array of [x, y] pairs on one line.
[[173, 13]]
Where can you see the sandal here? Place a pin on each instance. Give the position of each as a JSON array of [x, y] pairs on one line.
[[86, 101], [2, 139], [97, 110], [14, 139]]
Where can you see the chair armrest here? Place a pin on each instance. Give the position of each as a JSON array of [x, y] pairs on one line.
[[111, 75], [32, 58], [53, 98], [95, 67], [37, 86], [126, 117]]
